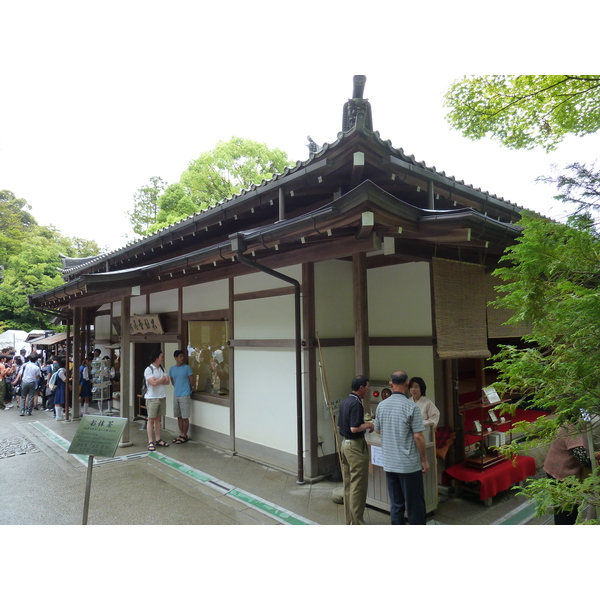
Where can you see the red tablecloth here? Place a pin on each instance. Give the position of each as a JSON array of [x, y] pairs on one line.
[[495, 479]]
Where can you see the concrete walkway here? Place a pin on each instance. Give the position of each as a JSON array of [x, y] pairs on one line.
[[42, 484]]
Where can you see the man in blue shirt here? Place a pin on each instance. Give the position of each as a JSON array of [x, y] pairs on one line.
[[181, 377], [399, 422]]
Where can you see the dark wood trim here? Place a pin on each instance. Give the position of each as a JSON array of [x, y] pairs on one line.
[[310, 377], [207, 315], [167, 338], [272, 293], [374, 341], [361, 314], [402, 341], [272, 343]]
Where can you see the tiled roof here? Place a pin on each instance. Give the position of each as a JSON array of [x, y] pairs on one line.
[[256, 188]]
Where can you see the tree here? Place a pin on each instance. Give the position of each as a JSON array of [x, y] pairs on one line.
[[31, 262], [145, 208], [552, 273], [218, 174], [15, 222], [552, 282], [525, 111]]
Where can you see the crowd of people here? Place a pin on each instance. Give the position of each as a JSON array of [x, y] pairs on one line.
[[35, 381], [32, 382], [210, 369]]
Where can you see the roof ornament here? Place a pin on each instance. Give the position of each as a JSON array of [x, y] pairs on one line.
[[357, 111], [313, 147]]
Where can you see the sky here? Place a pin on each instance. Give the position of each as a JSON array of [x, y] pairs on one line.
[[97, 98]]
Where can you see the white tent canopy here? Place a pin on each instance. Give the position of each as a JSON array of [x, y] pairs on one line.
[[15, 338]]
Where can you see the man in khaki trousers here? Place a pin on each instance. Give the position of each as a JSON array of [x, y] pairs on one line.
[[354, 451]]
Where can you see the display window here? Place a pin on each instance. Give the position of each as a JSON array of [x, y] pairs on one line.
[[208, 356]]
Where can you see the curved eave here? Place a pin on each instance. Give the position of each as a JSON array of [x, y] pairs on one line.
[[228, 207], [342, 214]]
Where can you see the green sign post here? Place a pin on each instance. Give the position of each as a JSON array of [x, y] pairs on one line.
[[97, 435]]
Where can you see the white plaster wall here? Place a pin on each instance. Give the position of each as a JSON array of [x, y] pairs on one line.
[[206, 296], [166, 301], [415, 361], [258, 280], [102, 327], [399, 299], [138, 305], [265, 397], [265, 318], [116, 309], [334, 309], [210, 416]]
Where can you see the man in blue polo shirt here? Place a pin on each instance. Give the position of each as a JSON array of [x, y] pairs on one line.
[[399, 422], [182, 377]]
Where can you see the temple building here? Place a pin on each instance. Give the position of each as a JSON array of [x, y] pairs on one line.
[[358, 260]]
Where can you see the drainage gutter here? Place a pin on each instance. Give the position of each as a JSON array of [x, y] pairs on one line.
[[238, 245]]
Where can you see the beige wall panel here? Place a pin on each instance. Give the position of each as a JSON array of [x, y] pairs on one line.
[[138, 305], [265, 318], [400, 300], [102, 327], [334, 311], [164, 301], [206, 296], [265, 397], [416, 361], [258, 280]]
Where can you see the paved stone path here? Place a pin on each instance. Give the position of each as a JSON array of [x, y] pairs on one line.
[[14, 446]]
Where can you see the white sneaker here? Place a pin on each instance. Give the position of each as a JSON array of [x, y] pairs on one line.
[[9, 405]]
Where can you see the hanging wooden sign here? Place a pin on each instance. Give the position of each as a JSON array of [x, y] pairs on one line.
[[145, 324]]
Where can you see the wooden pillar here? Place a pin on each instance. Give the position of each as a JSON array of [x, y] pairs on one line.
[[309, 369], [361, 318], [232, 381], [126, 370], [78, 341]]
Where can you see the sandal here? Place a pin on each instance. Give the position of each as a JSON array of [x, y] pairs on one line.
[[151, 447], [182, 439], [161, 443]]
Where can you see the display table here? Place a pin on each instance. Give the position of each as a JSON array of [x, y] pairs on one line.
[[495, 479]]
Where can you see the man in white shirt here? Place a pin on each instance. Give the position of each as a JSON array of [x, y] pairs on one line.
[[31, 374], [156, 398]]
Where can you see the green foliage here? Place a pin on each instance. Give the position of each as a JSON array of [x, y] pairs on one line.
[[552, 283], [564, 496], [525, 111], [145, 209], [30, 262], [15, 222], [552, 279], [226, 170], [578, 184]]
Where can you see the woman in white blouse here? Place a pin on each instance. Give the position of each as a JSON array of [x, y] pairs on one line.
[[429, 412]]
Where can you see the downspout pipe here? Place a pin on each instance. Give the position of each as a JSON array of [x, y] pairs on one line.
[[238, 245]]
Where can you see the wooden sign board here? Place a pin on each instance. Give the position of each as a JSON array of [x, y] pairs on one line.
[[145, 324]]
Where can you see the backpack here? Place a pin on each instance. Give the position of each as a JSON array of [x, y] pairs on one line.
[[52, 383], [145, 383]]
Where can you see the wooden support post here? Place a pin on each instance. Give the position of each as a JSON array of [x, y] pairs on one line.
[[361, 318], [126, 369]]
